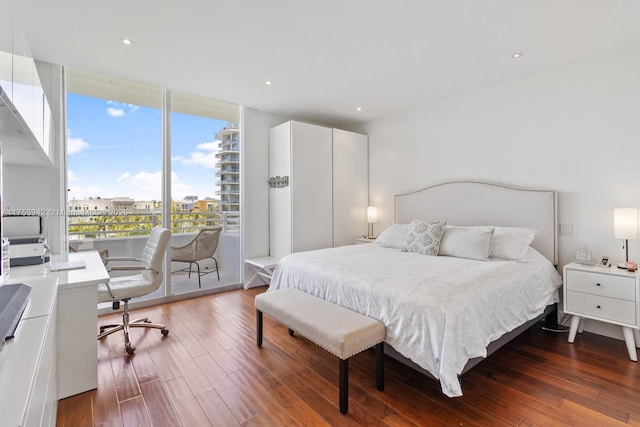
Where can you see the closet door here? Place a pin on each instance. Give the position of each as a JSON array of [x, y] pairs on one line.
[[350, 186], [311, 187], [280, 198]]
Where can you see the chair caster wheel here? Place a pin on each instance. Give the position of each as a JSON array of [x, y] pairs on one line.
[[130, 349], [165, 332]]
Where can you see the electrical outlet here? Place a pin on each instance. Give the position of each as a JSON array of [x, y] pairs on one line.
[[566, 229]]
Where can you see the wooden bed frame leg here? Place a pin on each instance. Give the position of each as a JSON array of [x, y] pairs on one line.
[[259, 327], [380, 366], [344, 386]]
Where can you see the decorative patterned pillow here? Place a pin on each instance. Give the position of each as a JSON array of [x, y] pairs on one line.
[[424, 237]]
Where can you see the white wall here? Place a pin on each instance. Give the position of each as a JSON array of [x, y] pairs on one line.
[[575, 129], [255, 190]]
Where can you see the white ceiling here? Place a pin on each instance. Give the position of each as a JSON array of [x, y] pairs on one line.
[[325, 57]]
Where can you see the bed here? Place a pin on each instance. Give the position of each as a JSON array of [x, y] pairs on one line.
[[444, 313]]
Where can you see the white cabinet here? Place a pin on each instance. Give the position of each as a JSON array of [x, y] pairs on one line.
[[54, 352], [605, 294], [318, 187], [24, 109]]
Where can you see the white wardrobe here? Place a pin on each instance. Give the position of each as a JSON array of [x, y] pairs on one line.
[[318, 193]]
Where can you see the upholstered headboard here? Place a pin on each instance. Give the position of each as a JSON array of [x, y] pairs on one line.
[[481, 203]]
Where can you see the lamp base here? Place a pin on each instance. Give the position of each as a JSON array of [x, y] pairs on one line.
[[629, 265]]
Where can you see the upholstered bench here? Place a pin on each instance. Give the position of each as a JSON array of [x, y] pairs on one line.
[[338, 330]]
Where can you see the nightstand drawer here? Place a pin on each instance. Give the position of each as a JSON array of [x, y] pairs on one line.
[[602, 284], [601, 307]]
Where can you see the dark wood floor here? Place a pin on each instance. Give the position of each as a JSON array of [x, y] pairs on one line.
[[208, 371]]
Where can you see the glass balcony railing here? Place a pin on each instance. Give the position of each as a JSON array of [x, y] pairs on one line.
[[93, 225]]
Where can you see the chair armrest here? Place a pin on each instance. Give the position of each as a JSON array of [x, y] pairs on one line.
[[128, 268], [121, 258]]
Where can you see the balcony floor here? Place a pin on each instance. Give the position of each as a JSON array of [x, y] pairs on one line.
[[182, 284]]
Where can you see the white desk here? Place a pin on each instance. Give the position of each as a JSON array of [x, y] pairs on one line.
[[54, 353]]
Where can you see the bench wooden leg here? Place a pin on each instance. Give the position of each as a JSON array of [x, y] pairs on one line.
[[344, 386], [380, 366], [259, 327]]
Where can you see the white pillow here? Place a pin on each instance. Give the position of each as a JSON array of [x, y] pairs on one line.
[[393, 236], [512, 243], [471, 243], [424, 237]]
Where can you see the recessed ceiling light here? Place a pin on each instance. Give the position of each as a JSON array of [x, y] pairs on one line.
[[126, 41], [268, 82], [516, 55], [358, 108]]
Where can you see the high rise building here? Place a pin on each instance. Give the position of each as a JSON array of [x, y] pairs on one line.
[[229, 168]]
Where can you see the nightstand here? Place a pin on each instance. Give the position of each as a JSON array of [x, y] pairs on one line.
[[606, 294], [364, 240]]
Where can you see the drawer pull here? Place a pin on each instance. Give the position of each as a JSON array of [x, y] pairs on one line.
[[597, 306], [597, 284]]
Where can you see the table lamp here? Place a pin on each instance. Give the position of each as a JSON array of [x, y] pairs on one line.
[[625, 226], [372, 217]]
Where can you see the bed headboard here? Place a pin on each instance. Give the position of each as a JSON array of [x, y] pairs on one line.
[[481, 203]]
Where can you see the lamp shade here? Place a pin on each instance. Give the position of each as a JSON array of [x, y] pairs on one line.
[[625, 223], [372, 214]]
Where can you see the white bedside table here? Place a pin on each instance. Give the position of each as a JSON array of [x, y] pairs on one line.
[[606, 294], [364, 241]]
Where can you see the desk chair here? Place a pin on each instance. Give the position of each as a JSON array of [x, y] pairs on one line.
[[202, 247], [126, 287]]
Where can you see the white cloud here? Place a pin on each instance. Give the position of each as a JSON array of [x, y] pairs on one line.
[[115, 112], [148, 185], [75, 145], [79, 192], [141, 185], [93, 190], [198, 158], [209, 146], [123, 105], [71, 176], [205, 156]]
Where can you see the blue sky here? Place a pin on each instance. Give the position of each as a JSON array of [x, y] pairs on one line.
[[114, 150]]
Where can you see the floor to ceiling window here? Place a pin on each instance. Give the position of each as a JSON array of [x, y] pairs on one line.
[[116, 170], [201, 131]]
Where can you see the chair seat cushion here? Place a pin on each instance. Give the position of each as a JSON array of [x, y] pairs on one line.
[[125, 287]]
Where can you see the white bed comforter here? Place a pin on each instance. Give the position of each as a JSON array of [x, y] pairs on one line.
[[439, 311]]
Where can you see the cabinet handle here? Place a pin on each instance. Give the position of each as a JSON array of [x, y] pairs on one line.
[[597, 284], [597, 306]]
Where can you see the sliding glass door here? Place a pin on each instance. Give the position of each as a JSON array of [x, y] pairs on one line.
[[124, 139], [204, 141]]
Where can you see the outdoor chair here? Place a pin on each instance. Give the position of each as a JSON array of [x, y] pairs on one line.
[[201, 248]]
